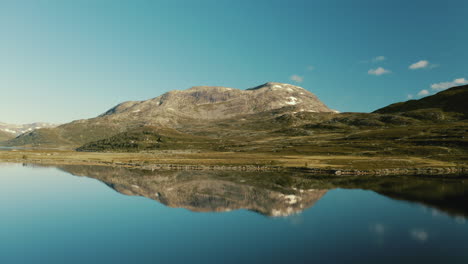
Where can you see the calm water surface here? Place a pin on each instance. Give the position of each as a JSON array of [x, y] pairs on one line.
[[54, 215]]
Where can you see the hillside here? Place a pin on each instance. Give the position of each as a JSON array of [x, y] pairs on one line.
[[181, 110], [6, 136], [453, 100], [150, 138]]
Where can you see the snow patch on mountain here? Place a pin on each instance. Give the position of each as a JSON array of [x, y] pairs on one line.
[[23, 128], [292, 100]]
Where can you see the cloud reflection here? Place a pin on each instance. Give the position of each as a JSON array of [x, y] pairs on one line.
[[460, 220], [419, 234], [377, 228]]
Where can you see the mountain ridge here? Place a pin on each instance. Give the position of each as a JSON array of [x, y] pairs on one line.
[[451, 100], [217, 102], [18, 129], [180, 109]]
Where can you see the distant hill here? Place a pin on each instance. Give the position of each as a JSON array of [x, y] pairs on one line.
[[10, 131], [453, 100], [16, 129], [5, 136]]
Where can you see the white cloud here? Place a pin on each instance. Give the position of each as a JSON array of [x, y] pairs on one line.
[[423, 92], [310, 68], [409, 96], [378, 71], [419, 65], [379, 58], [297, 78], [419, 234], [445, 85]]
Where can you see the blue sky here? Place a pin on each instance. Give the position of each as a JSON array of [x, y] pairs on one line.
[[67, 60]]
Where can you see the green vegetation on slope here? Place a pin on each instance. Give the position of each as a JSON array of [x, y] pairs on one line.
[[150, 138], [451, 100], [354, 135]]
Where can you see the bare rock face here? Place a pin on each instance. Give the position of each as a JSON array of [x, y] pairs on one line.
[[213, 102]]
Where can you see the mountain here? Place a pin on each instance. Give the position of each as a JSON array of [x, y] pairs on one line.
[[210, 103], [453, 100], [181, 110], [16, 130]]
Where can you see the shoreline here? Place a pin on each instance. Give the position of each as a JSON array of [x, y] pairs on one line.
[[313, 165]]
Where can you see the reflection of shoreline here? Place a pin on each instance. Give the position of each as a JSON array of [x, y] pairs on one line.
[[269, 193], [452, 207]]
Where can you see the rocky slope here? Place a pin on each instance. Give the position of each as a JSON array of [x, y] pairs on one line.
[[181, 110], [209, 103]]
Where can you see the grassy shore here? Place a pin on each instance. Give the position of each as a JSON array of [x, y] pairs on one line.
[[197, 160]]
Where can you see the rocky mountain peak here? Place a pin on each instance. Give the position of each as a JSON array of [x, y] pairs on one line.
[[217, 102], [276, 86], [205, 88], [184, 110]]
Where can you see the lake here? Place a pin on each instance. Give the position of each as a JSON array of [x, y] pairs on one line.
[[92, 214]]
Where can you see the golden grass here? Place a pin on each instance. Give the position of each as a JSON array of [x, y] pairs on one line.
[[219, 158]]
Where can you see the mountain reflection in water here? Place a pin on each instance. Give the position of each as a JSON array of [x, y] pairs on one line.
[[269, 193]]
